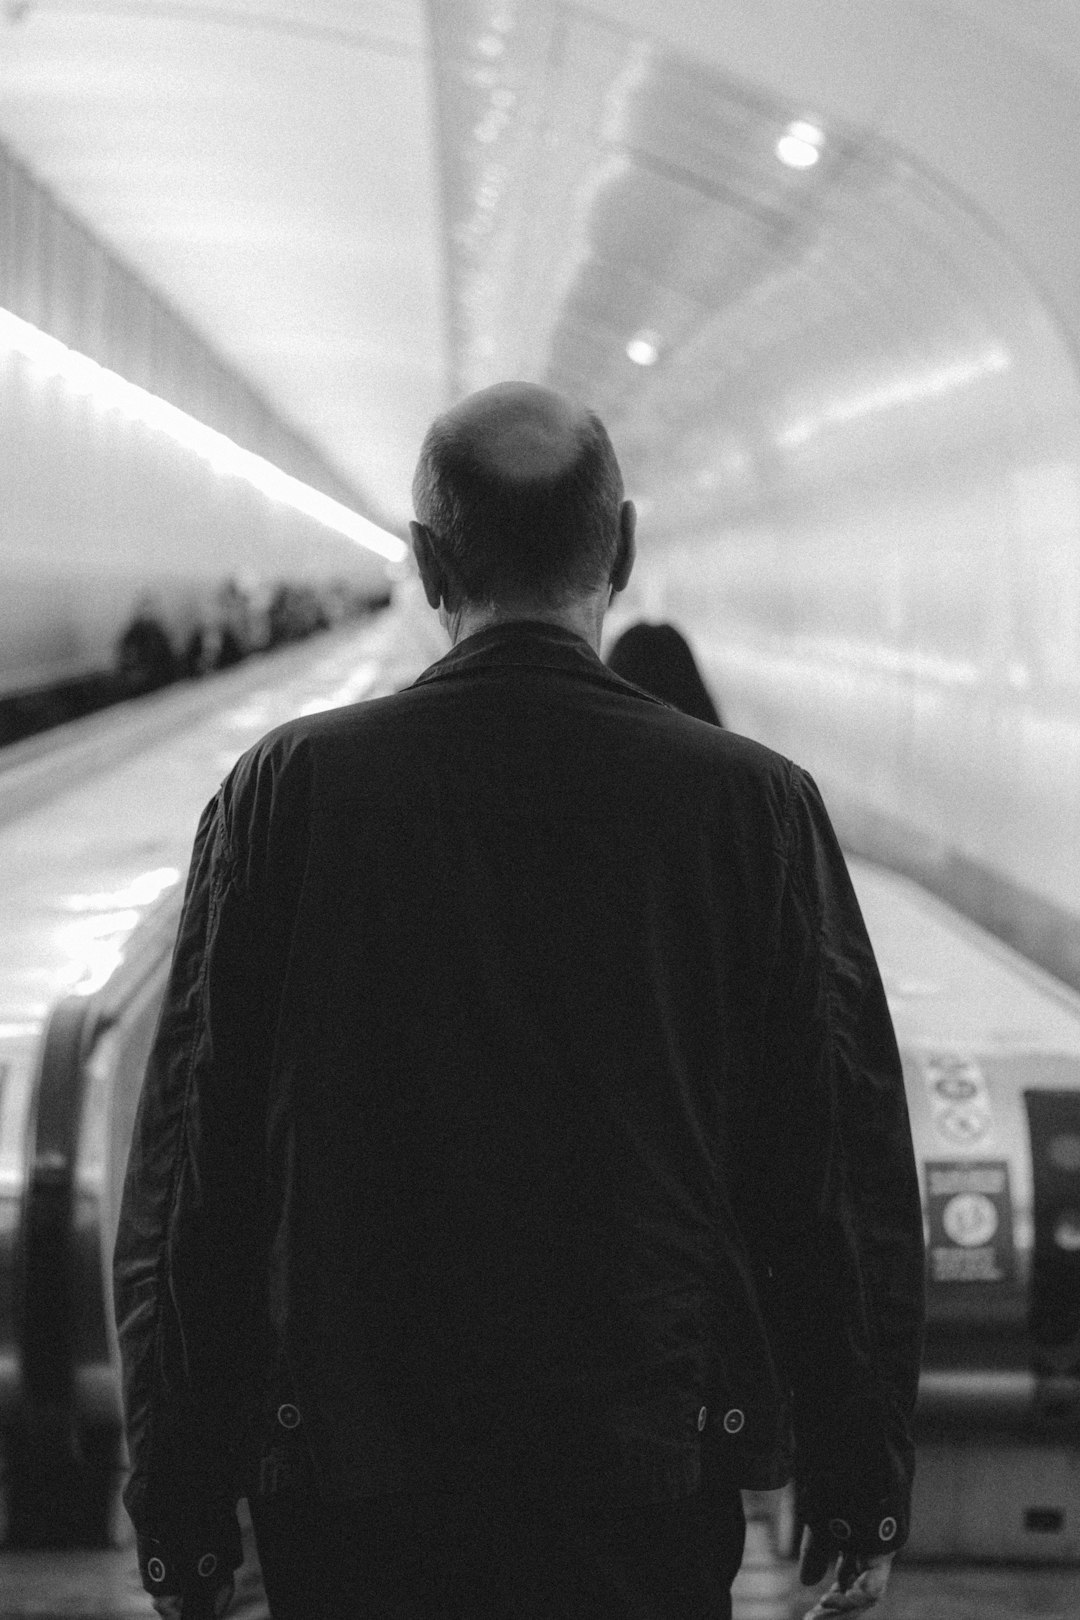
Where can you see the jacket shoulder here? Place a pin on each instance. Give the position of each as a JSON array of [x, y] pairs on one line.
[[290, 746], [396, 727], [734, 755]]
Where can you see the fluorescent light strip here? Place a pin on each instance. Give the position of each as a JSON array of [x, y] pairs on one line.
[[84, 376], [904, 391]]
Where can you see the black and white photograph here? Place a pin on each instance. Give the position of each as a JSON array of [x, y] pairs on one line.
[[539, 810]]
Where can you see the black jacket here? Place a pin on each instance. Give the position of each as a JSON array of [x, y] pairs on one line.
[[524, 1088]]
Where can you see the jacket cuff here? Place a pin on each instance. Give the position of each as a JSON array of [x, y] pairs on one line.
[[197, 1557], [853, 1477], [850, 1521]]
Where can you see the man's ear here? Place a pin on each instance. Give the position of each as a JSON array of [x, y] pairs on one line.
[[431, 574], [626, 550]]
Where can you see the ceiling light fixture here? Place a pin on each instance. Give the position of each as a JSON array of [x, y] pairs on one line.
[[800, 146], [110, 391], [644, 349]]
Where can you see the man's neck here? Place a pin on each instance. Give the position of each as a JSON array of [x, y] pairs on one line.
[[584, 617]]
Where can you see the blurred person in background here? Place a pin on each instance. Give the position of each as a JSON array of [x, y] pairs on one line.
[[145, 659], [234, 626], [658, 658]]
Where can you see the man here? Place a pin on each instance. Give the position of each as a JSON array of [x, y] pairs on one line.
[[522, 1165]]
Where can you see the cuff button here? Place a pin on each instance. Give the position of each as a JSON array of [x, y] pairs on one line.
[[839, 1529], [734, 1420], [288, 1416], [156, 1571], [207, 1565], [702, 1418], [886, 1529]]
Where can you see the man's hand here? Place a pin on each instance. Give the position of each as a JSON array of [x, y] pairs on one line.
[[207, 1606], [860, 1579]]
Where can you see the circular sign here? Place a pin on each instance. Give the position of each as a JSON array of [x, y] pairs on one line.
[[949, 1064], [956, 1087], [970, 1219], [962, 1124]]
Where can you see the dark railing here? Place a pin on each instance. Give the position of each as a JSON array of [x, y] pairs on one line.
[[64, 1448]]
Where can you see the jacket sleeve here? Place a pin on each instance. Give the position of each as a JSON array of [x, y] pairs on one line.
[[843, 1224], [187, 1247]]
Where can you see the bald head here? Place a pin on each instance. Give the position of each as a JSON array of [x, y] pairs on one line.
[[518, 431], [520, 491]]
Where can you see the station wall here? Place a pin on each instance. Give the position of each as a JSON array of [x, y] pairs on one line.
[[873, 534], [99, 511]]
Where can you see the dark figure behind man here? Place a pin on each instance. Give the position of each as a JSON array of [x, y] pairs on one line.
[[523, 1164], [658, 658]]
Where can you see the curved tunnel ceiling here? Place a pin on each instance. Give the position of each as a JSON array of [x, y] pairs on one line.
[[368, 207], [604, 189]]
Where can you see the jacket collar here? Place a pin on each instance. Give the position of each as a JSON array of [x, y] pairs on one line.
[[520, 643]]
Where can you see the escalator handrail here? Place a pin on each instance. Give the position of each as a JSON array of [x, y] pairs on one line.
[[44, 1283]]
